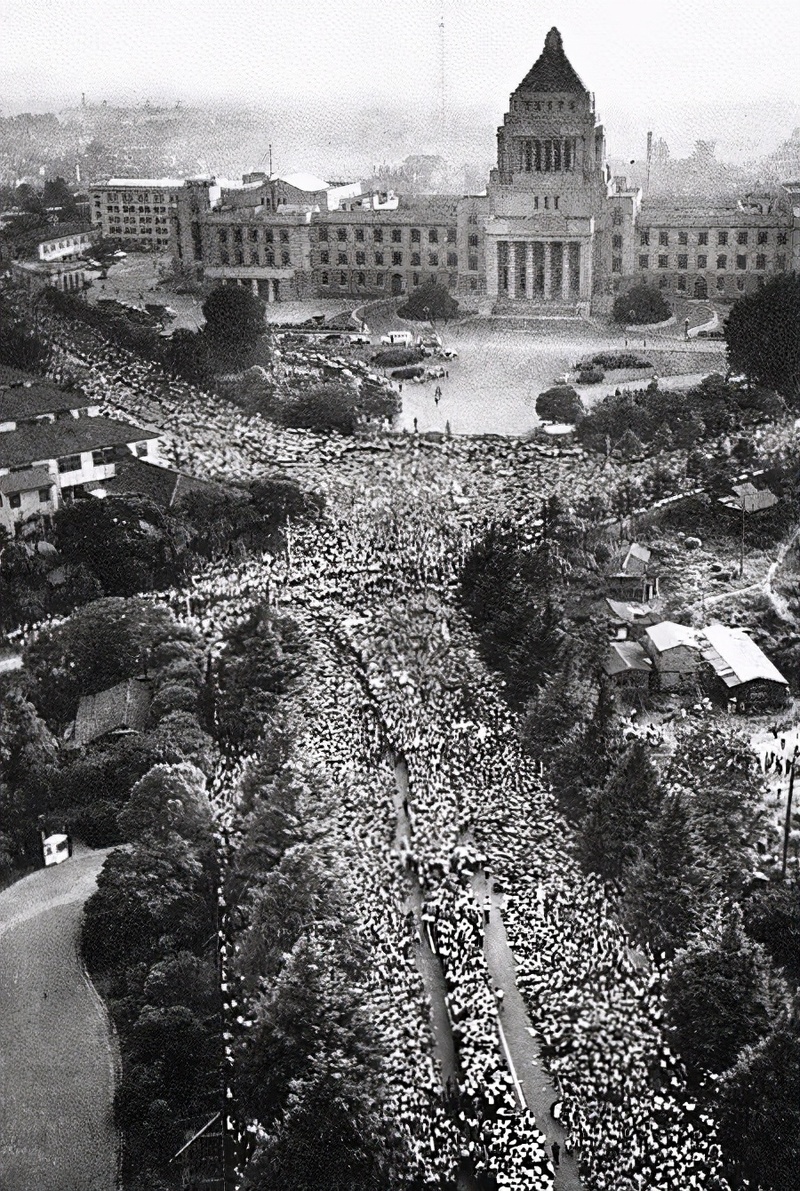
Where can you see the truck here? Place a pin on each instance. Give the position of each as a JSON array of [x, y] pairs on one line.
[[398, 339]]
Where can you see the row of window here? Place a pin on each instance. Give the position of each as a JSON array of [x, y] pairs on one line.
[[682, 261], [359, 234], [397, 259], [344, 279], [541, 105], [544, 157], [269, 259], [742, 237], [238, 235]]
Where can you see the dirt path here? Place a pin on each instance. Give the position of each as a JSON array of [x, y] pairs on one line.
[[57, 1053]]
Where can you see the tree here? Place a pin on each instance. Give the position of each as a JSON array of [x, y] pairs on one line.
[[758, 1109], [721, 994], [322, 407], [277, 499], [641, 304], [762, 339], [20, 346], [261, 661], [100, 645], [234, 319], [126, 542], [560, 404], [619, 814], [168, 798], [430, 302], [186, 353], [772, 915]]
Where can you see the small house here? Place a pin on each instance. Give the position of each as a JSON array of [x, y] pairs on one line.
[[675, 653], [628, 668], [637, 579], [746, 498]]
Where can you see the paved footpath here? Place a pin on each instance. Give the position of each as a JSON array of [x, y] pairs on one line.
[[58, 1057], [521, 1046]]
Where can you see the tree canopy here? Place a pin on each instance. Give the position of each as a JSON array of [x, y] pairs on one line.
[[761, 332], [431, 301], [234, 318], [641, 304]]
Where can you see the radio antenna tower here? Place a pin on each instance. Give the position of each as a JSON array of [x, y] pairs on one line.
[[442, 75]]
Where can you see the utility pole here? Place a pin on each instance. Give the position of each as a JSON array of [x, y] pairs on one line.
[[741, 547], [787, 827]]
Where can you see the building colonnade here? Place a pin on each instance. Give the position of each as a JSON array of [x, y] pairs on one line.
[[545, 269]]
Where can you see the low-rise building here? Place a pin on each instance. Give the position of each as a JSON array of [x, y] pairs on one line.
[[123, 707], [628, 668], [746, 498], [746, 674], [41, 462], [637, 579], [674, 649]]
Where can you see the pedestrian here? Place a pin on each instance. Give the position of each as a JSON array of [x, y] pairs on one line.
[[415, 424], [556, 1148]]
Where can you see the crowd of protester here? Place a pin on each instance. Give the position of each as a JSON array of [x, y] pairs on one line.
[[398, 676]]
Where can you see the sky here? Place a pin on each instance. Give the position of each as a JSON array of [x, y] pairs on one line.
[[645, 62]]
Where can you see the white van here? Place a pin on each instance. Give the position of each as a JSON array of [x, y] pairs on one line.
[[398, 339]]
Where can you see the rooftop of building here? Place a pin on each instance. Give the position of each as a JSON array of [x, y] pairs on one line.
[[736, 657], [552, 71], [69, 436], [60, 231], [142, 183], [164, 486], [669, 635], [624, 656], [25, 481], [125, 705], [661, 213], [31, 398]]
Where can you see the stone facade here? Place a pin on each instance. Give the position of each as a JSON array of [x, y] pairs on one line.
[[554, 229]]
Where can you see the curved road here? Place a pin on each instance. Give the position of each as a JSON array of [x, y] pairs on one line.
[[57, 1052]]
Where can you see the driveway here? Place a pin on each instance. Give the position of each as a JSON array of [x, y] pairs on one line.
[[57, 1053]]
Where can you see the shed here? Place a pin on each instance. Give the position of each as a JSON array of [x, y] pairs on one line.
[[627, 666], [744, 669], [746, 498]]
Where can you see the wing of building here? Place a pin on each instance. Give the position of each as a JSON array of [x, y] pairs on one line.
[[554, 230]]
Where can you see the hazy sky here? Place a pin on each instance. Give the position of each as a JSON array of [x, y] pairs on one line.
[[634, 55]]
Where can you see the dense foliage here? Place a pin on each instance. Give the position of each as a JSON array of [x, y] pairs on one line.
[[431, 301], [641, 304], [560, 404], [761, 332]]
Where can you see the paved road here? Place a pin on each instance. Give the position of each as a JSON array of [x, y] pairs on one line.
[[57, 1055], [538, 1089]]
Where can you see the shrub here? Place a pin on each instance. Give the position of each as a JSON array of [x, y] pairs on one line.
[[641, 305], [397, 356], [560, 404], [612, 360], [591, 376], [430, 301]]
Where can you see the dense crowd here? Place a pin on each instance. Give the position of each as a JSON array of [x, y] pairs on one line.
[[397, 676]]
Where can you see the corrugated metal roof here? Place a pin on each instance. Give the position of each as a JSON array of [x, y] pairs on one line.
[[668, 635], [624, 656], [736, 657]]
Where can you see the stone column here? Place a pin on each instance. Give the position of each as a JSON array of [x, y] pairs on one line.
[[512, 269], [529, 269], [491, 267], [546, 269], [565, 271]]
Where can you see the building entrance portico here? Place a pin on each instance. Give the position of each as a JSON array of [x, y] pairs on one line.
[[541, 270]]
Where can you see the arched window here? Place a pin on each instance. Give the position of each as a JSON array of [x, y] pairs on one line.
[[537, 153]]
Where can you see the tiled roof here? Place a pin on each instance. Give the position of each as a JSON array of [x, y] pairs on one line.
[[122, 706], [754, 499], [28, 400], [26, 481], [69, 436], [552, 70], [162, 485], [736, 657]]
